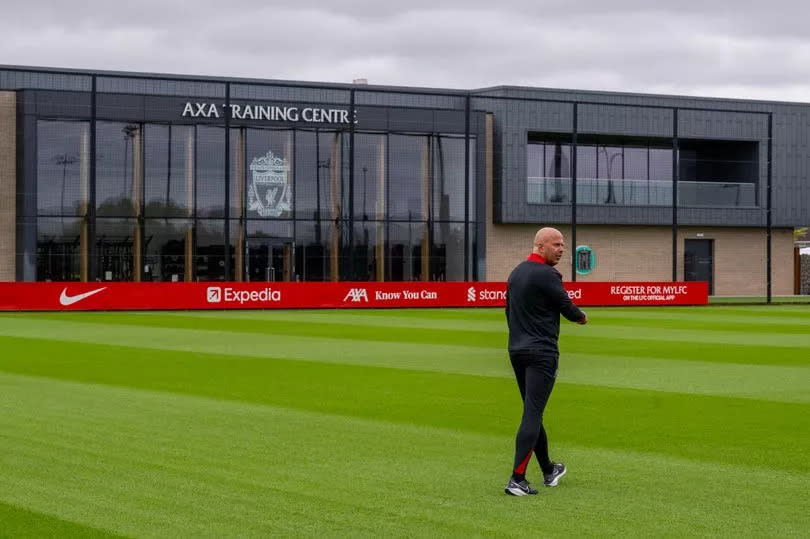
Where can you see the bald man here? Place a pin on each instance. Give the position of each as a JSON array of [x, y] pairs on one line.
[[535, 299]]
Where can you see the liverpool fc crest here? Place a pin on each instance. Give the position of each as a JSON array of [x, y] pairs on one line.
[[269, 194]]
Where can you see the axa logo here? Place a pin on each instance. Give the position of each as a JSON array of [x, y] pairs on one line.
[[65, 299], [357, 295], [471, 294]]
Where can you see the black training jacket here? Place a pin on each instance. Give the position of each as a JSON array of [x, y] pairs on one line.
[[535, 298]]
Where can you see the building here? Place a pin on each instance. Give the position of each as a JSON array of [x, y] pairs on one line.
[[139, 177]]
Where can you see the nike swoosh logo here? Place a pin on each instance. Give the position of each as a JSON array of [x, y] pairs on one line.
[[66, 300]]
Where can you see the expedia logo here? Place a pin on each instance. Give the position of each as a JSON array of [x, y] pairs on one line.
[[356, 295], [215, 294]]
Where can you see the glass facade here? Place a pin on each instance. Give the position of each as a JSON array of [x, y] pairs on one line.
[[606, 174], [711, 174], [176, 201]]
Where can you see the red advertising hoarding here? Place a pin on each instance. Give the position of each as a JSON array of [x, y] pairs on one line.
[[45, 296]]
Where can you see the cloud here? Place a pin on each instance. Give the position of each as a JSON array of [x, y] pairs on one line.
[[738, 49]]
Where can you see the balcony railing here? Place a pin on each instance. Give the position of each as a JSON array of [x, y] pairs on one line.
[[602, 191]]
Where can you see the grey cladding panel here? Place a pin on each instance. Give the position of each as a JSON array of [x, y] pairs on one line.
[[543, 215], [160, 87], [791, 167], [286, 93], [120, 107], [410, 120], [419, 100], [451, 121], [20, 80], [53, 104], [626, 215], [721, 216], [722, 125], [372, 118], [630, 121]]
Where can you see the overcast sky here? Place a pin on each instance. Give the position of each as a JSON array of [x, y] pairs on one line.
[[742, 49]]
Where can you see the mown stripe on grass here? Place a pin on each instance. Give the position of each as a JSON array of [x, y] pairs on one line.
[[768, 382], [763, 382], [761, 338], [616, 369], [19, 522], [671, 423], [411, 349], [581, 340], [164, 464]]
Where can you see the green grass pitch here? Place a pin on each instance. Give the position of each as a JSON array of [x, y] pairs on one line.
[[672, 421]]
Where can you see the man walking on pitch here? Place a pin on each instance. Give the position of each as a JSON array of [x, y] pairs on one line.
[[535, 298]]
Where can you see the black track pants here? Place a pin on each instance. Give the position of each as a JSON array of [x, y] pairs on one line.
[[535, 376]]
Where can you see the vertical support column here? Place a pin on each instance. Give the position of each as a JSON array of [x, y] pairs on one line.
[[137, 200], [426, 181], [574, 193], [351, 269], [467, 254], [675, 177], [239, 178], [188, 263], [227, 232], [334, 201], [84, 198], [489, 210], [768, 211], [8, 185], [379, 213], [90, 217], [288, 263]]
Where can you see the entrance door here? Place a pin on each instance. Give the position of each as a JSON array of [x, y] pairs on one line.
[[269, 259], [698, 262]]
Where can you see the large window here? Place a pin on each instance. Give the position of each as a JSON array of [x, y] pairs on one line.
[[167, 249], [448, 178], [296, 209], [169, 167], [718, 173], [628, 173], [210, 174], [209, 251], [549, 172], [59, 249], [269, 173], [115, 249], [63, 171], [369, 177], [408, 175], [117, 169]]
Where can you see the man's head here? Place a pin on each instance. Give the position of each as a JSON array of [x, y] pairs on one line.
[[549, 243]]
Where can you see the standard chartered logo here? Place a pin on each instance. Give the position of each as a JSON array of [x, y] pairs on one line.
[[216, 294], [485, 295]]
